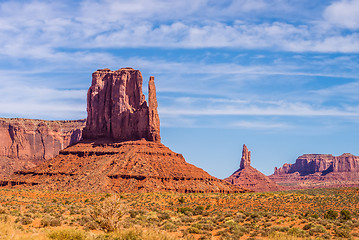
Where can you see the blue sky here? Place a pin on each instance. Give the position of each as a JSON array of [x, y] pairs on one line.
[[281, 76]]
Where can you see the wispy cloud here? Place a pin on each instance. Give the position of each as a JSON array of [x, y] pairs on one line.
[[39, 102], [40, 30], [289, 110], [42, 37], [260, 125]]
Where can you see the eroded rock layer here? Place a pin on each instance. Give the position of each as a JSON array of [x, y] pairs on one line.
[[117, 108], [108, 159], [318, 171], [133, 166], [26, 142], [250, 178]]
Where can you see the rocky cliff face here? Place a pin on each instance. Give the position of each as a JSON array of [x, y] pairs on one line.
[[35, 140], [117, 108], [319, 170], [250, 178], [321, 163], [25, 142]]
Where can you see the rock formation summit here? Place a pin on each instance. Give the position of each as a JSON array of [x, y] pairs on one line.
[[319, 171], [25, 143], [117, 108], [121, 149], [250, 178]]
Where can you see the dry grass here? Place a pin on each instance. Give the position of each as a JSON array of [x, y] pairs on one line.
[[306, 214]]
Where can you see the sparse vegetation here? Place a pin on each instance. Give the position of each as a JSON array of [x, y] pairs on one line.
[[305, 214]]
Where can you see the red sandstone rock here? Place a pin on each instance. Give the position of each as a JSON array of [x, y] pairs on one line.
[[26, 142], [319, 170], [154, 119], [131, 166], [106, 161], [250, 178], [117, 108], [246, 158]]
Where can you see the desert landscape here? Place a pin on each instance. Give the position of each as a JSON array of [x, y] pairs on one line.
[[221, 120], [110, 177]]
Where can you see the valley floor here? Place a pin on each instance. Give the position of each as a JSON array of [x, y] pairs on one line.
[[302, 214]]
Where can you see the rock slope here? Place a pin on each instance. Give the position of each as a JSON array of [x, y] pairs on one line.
[[26, 142], [130, 166], [319, 170], [250, 178], [121, 149]]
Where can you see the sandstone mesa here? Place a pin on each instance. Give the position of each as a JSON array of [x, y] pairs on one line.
[[27, 142], [319, 171]]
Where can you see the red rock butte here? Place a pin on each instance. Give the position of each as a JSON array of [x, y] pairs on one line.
[[319, 171], [117, 108], [121, 150], [28, 142], [250, 178]]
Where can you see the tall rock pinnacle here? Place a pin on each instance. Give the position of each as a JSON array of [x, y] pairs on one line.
[[250, 178], [154, 119], [117, 108], [246, 158]]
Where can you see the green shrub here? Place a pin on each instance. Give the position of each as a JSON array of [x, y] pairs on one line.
[[108, 214], [198, 210], [317, 229], [184, 210], [68, 234], [330, 214], [135, 213], [24, 220], [51, 221], [138, 234], [169, 226], [345, 215], [308, 226], [194, 230], [279, 229], [296, 232], [3, 210], [341, 232], [164, 215]]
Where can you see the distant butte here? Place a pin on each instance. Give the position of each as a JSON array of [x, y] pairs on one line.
[[121, 149], [319, 171], [250, 178], [24, 143]]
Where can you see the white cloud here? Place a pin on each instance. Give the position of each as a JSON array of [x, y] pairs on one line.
[[347, 90], [285, 109], [260, 125], [21, 100], [40, 29], [343, 13]]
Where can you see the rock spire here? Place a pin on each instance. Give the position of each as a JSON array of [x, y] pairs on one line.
[[246, 158], [117, 108], [250, 178]]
